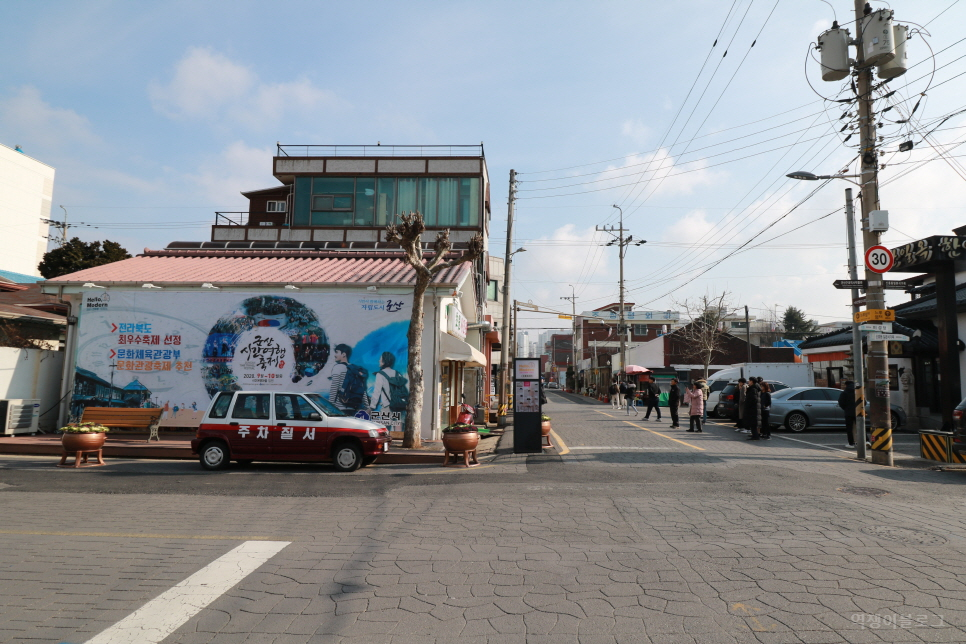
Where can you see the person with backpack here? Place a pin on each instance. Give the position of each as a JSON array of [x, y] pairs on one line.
[[614, 393], [630, 393], [391, 391], [349, 389]]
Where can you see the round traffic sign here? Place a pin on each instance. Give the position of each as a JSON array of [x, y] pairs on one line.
[[879, 259]]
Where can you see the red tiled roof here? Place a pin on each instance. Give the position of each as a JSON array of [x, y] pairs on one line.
[[25, 302], [260, 267]]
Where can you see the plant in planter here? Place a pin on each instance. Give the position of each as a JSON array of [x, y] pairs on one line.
[[82, 437], [545, 425], [461, 437]]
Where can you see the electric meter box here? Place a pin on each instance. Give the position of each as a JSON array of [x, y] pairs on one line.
[[834, 45], [898, 65], [878, 221], [876, 37]]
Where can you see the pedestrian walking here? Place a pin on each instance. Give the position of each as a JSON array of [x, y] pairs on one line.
[[673, 402], [614, 392], [630, 391], [622, 391], [847, 403], [694, 398], [653, 393], [765, 409], [752, 407]]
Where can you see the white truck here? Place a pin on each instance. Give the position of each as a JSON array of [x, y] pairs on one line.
[[792, 374]]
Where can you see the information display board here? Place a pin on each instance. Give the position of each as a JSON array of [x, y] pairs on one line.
[[527, 409]]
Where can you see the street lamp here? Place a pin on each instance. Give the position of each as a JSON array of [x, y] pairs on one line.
[[505, 334], [858, 358]]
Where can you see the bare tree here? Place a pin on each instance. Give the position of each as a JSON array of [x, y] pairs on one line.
[[706, 332], [408, 234]]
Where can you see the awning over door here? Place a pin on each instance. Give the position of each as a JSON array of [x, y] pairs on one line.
[[452, 348]]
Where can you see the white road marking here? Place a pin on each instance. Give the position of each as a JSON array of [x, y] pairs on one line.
[[834, 449], [164, 614], [617, 448]]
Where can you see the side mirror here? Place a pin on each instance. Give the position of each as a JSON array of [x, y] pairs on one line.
[[315, 416]]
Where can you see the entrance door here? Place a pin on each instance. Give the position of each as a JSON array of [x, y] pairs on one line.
[[300, 431]]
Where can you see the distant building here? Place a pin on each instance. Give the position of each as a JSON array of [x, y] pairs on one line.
[[26, 193]]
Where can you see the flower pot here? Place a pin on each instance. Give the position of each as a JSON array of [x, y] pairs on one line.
[[461, 441], [545, 427], [82, 442]]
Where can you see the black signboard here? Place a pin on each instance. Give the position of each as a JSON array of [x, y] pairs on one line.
[[527, 409], [850, 284]]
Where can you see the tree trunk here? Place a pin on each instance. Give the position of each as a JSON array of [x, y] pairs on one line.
[[414, 412]]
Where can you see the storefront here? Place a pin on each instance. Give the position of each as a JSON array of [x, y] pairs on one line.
[[338, 326]]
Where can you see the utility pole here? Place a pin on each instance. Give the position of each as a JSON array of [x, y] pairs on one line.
[[622, 243], [877, 387], [505, 333], [858, 368], [573, 319], [748, 332]]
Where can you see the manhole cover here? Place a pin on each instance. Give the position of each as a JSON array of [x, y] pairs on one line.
[[904, 535], [863, 491]]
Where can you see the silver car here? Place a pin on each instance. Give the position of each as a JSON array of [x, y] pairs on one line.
[[799, 408]]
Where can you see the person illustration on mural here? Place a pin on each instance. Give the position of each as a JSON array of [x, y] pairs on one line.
[[175, 410], [390, 392], [165, 409], [349, 386]]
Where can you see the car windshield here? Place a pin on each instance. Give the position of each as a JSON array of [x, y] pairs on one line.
[[325, 405]]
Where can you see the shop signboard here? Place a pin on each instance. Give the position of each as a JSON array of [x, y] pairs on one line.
[[456, 323], [175, 350]]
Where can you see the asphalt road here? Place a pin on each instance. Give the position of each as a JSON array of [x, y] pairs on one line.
[[629, 531]]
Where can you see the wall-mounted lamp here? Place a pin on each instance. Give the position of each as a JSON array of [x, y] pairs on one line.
[[149, 285], [92, 285], [209, 285], [292, 287]]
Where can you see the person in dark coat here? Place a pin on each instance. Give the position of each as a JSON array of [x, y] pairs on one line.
[[752, 408], [653, 393], [630, 392], [847, 403], [673, 401], [614, 392], [765, 409]]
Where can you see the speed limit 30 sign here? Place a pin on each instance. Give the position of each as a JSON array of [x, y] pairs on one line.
[[879, 259]]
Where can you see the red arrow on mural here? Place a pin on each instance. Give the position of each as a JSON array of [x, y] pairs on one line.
[[115, 327], [113, 353]]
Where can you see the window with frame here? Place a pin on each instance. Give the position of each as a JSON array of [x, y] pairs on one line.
[[493, 290], [275, 206]]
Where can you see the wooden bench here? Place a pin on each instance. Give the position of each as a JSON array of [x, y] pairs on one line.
[[126, 418]]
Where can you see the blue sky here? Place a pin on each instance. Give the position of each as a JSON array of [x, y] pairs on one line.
[[157, 114]]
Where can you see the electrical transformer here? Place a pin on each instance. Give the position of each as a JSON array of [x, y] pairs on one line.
[[877, 42], [834, 45], [898, 65]]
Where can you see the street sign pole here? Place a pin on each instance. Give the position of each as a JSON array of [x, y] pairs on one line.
[[858, 359]]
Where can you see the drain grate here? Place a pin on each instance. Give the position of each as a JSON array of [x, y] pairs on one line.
[[905, 535], [863, 491]]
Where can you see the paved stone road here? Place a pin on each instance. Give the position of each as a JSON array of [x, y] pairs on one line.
[[712, 539]]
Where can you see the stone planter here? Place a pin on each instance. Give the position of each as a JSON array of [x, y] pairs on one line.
[[545, 427]]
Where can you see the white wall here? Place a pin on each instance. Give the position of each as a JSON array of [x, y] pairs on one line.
[[649, 354], [32, 373], [26, 191]]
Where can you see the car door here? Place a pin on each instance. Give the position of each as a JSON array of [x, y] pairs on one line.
[[836, 415], [819, 407], [300, 429], [250, 426]]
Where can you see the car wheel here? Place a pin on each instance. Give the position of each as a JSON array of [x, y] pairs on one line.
[[347, 457], [214, 456], [796, 421], [895, 419]]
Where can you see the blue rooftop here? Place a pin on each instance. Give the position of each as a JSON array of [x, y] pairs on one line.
[[19, 278]]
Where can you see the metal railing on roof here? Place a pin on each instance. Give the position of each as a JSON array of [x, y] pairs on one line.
[[378, 150]]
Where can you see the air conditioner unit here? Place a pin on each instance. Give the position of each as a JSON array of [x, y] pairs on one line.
[[19, 416]]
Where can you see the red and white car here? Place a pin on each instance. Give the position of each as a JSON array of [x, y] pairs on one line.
[[246, 426]]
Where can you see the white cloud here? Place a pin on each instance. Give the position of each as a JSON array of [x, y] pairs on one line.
[[209, 86], [34, 123], [239, 167], [635, 130], [642, 174]]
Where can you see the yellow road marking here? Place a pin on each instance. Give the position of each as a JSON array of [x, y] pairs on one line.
[[139, 535], [700, 449], [561, 445]]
